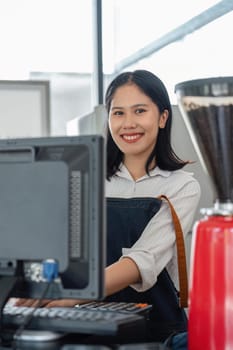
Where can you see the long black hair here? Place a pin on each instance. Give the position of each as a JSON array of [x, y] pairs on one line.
[[154, 88]]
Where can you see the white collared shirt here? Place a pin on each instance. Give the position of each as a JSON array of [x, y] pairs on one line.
[[156, 249]]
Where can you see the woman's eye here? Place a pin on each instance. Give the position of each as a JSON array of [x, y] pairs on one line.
[[118, 113], [140, 111]]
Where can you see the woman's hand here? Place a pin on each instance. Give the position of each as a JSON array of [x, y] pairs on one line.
[[49, 302], [65, 302], [117, 277]]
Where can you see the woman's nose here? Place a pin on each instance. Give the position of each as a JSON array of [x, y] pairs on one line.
[[129, 121]]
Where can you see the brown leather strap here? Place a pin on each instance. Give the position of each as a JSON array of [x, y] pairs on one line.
[[181, 258]]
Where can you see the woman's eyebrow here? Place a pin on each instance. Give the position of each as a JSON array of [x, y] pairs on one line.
[[133, 106], [116, 107]]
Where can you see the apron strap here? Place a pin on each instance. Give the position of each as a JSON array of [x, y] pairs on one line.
[[181, 258]]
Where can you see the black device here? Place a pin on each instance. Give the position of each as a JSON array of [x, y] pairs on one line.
[[52, 217]]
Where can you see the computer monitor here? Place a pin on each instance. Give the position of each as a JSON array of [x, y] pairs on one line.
[[52, 208]]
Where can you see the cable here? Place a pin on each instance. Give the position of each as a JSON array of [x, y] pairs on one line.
[[50, 273], [29, 317]]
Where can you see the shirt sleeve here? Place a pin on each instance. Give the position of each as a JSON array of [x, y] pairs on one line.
[[155, 249]]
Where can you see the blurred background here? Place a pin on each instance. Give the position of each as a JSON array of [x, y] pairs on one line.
[[59, 41]]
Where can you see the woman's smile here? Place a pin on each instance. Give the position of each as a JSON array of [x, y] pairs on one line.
[[132, 137]]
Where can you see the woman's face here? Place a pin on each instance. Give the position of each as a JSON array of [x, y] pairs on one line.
[[134, 121]]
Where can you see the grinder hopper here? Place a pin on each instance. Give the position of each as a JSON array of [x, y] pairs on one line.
[[207, 108]]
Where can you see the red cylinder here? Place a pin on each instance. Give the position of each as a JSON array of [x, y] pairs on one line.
[[210, 324]]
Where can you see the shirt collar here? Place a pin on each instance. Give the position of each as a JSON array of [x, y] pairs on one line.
[[124, 173]]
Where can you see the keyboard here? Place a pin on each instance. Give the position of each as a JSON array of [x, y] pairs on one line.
[[138, 308], [109, 319]]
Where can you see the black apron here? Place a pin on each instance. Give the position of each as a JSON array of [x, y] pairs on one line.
[[126, 220]]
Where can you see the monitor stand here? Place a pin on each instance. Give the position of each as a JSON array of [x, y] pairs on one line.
[[37, 340], [37, 335]]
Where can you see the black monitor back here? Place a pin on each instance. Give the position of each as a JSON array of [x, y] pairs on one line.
[[52, 208]]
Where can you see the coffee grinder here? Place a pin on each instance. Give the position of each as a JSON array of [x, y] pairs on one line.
[[207, 108]]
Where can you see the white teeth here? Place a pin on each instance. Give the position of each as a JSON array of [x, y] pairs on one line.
[[130, 137]]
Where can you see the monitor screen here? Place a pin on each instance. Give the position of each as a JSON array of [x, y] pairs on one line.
[[52, 209]]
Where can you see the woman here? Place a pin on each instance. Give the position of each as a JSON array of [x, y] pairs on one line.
[[142, 166]]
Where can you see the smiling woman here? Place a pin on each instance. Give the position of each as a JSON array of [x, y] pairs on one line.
[[142, 166]]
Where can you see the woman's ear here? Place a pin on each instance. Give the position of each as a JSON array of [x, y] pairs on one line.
[[163, 119]]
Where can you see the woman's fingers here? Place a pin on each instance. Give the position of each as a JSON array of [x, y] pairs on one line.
[[63, 303], [24, 302], [31, 302], [48, 302]]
